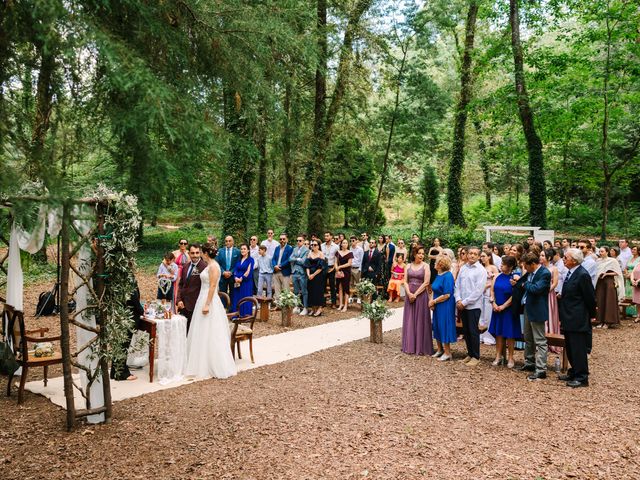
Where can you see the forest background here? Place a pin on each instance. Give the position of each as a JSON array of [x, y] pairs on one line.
[[304, 115]]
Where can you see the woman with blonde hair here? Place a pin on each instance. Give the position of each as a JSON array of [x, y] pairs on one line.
[[444, 308]]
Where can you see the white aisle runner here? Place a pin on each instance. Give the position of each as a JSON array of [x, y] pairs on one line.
[[267, 351]]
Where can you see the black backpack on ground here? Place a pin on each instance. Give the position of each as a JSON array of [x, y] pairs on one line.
[[46, 304]]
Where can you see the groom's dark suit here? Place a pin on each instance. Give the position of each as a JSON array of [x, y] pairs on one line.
[[189, 288]]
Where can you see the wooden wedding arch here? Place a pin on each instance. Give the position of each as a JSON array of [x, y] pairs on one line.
[[72, 240]]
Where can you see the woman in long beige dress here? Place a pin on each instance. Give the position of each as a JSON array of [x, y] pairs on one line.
[[609, 290]]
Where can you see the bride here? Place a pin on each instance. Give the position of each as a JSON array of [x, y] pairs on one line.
[[209, 340]]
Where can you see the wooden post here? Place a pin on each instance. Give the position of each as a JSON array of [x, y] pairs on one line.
[[286, 316], [375, 331], [100, 319], [64, 318]]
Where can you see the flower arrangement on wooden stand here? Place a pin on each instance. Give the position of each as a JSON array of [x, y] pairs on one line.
[[376, 312], [287, 301], [365, 290]]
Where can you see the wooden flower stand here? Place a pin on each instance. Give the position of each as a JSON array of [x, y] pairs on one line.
[[375, 328], [286, 317]]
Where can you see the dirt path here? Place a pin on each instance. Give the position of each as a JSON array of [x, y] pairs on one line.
[[355, 411]]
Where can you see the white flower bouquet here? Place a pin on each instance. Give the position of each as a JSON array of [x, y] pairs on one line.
[[287, 299]]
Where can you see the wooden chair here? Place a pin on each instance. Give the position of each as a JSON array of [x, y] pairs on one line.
[[226, 300], [557, 340], [20, 338], [242, 327]]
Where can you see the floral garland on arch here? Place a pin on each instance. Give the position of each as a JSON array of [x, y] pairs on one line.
[[119, 243]]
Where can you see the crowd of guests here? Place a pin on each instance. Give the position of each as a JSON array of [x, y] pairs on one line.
[[520, 293], [507, 295]]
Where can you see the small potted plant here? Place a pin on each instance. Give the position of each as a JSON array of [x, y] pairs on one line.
[[376, 312], [365, 290], [287, 301]]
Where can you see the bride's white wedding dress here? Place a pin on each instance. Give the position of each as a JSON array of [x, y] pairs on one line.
[[208, 342]]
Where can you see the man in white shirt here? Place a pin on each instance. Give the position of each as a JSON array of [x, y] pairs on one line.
[[365, 241], [589, 262], [254, 252], [625, 253], [356, 265], [270, 243], [590, 265], [329, 250], [469, 288]]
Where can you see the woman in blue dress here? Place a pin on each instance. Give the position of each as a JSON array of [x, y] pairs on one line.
[[505, 325], [243, 276], [444, 308]]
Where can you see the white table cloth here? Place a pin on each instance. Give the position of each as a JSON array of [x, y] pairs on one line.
[[171, 348]]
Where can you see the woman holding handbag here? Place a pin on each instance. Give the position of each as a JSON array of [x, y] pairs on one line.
[[344, 259]]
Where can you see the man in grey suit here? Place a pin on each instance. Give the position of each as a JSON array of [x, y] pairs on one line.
[[577, 307]]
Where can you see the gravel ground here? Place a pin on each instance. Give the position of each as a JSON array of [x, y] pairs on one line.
[[355, 411]]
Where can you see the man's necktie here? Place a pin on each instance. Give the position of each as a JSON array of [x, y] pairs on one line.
[[228, 257], [568, 276]]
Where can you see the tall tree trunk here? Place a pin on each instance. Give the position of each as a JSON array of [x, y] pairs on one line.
[[261, 145], [5, 53], [323, 122], [454, 201], [239, 170], [314, 173], [537, 184], [385, 160], [286, 145], [484, 163], [39, 167], [604, 146]]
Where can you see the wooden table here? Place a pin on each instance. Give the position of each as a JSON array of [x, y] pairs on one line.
[[264, 308], [175, 326]]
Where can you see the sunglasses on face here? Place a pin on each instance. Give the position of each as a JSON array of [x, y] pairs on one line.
[[183, 243], [299, 240]]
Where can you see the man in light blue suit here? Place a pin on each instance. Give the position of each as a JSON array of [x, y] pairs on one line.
[[299, 274], [227, 258]]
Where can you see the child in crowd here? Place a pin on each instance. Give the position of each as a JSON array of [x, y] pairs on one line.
[[397, 279], [167, 275], [265, 271]]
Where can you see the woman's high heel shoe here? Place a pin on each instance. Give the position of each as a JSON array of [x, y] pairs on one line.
[[497, 362], [511, 364]]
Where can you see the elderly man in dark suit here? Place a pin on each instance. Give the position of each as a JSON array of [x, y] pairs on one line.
[[532, 292], [577, 307], [190, 283]]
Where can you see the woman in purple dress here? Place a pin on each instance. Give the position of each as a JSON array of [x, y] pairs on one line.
[[243, 276], [416, 323]]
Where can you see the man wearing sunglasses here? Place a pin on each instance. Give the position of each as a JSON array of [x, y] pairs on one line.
[[299, 274], [281, 266]]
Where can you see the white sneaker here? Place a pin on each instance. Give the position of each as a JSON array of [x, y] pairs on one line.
[[304, 312], [296, 311]]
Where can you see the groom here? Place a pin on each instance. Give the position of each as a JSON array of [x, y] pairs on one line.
[[189, 286]]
